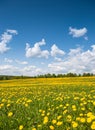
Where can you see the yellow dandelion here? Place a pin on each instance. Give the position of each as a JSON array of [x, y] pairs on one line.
[[83, 108], [93, 125], [20, 127], [81, 114], [1, 105], [51, 127], [34, 129], [59, 117], [73, 106], [26, 105], [94, 103], [59, 123], [77, 118], [89, 120], [69, 118], [39, 126], [40, 110], [48, 113], [74, 124], [54, 121], [82, 120], [8, 105], [29, 100], [10, 114], [42, 114], [45, 120]]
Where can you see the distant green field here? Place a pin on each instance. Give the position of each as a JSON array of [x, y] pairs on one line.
[[47, 104]]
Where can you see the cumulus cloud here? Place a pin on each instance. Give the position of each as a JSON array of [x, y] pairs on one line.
[[12, 31], [57, 59], [31, 70], [76, 61], [56, 51], [21, 62], [77, 32], [36, 51], [14, 70], [9, 70], [5, 38]]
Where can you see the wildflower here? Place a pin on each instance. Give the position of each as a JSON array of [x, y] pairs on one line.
[[83, 108], [26, 105], [20, 127], [93, 125], [39, 126], [40, 110], [54, 121], [51, 127], [33, 128], [94, 103], [59, 117], [45, 120], [77, 118], [29, 100], [42, 114], [10, 114], [8, 105], [82, 120], [59, 123], [1, 105], [48, 113], [81, 114], [89, 114], [89, 120], [69, 118], [74, 124]]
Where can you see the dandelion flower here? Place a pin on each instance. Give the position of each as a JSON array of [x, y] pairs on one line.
[[51, 127], [20, 127], [10, 114], [93, 125], [74, 124], [59, 123], [33, 128], [45, 120], [54, 121]]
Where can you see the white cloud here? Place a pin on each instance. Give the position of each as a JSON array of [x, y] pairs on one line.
[[31, 70], [36, 50], [8, 60], [9, 70], [21, 62], [57, 59], [77, 32], [5, 38], [76, 61], [56, 51], [12, 31], [74, 52], [14, 70]]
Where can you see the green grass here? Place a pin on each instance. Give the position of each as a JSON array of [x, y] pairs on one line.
[[36, 103]]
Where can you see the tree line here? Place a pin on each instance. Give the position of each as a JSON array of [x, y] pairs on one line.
[[64, 75], [7, 77]]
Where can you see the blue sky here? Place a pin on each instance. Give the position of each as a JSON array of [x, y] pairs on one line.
[[40, 36]]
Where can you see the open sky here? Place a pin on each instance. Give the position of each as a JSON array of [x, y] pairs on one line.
[[47, 36]]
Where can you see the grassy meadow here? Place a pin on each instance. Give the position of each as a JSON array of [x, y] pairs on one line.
[[48, 104]]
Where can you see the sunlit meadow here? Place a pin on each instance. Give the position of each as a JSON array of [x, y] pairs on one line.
[[48, 104]]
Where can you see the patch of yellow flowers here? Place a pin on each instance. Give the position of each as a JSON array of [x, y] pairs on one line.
[[49, 104]]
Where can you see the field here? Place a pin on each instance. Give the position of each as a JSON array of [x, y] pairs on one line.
[[48, 104]]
